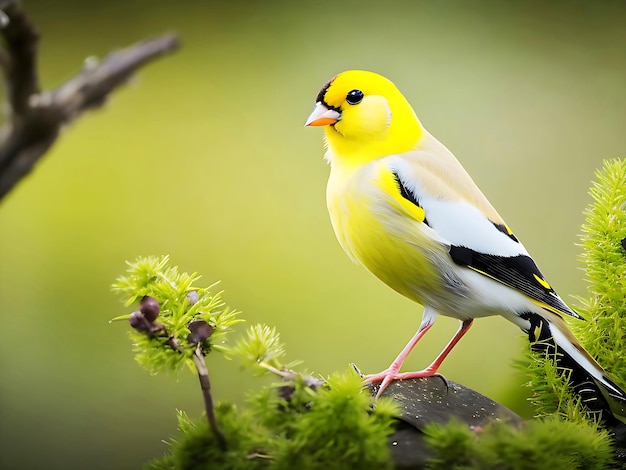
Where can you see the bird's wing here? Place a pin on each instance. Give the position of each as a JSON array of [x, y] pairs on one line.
[[453, 207]]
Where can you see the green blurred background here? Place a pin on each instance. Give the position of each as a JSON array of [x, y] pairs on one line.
[[205, 157]]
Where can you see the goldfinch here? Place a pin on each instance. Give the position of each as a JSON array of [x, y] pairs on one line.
[[403, 206]]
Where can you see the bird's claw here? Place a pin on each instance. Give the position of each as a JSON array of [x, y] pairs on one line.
[[444, 380]]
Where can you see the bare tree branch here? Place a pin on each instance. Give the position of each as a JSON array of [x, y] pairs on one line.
[[36, 117], [21, 59]]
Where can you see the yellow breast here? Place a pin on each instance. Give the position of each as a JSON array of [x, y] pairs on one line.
[[375, 230]]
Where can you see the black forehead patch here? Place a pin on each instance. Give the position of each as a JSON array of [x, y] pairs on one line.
[[322, 93]]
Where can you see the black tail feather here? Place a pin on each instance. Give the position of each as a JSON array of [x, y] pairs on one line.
[[607, 400]]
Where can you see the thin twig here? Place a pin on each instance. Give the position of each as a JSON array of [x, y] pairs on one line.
[[139, 322], [205, 385], [36, 118]]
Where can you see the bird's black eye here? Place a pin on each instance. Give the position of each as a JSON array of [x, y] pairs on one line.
[[354, 97]]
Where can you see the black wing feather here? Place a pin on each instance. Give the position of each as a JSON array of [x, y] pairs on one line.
[[517, 272]]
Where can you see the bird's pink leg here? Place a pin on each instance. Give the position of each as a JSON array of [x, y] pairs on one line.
[[428, 319], [391, 374], [393, 369]]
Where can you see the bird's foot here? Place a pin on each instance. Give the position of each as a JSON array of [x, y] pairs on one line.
[[389, 375]]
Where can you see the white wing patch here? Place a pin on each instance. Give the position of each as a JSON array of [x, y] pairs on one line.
[[457, 221], [464, 225]]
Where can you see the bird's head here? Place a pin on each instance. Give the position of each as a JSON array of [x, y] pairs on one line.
[[365, 116]]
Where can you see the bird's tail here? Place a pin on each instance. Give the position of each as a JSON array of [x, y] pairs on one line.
[[588, 380]]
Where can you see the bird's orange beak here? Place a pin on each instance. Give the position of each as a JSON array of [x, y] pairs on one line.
[[322, 116]]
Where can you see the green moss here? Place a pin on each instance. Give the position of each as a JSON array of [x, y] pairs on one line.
[[332, 427], [542, 444], [198, 449], [341, 430]]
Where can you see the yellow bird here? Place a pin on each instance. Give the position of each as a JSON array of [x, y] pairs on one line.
[[403, 206]]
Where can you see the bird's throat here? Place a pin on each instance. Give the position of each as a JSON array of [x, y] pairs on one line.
[[358, 150]]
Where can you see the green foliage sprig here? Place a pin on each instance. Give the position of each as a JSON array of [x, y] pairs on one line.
[[177, 323], [604, 258], [182, 303], [261, 351]]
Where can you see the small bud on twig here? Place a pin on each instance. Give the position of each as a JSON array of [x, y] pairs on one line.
[[139, 322], [193, 297], [200, 331], [150, 308]]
